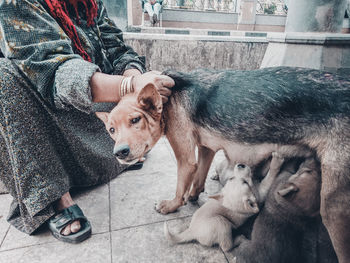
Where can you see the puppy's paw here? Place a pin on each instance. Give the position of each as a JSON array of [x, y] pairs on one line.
[[277, 161], [277, 156], [167, 206]]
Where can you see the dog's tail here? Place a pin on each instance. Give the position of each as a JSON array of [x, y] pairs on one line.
[[182, 237]]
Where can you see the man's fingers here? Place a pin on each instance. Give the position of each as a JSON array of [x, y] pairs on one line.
[[166, 81], [164, 99], [164, 91]]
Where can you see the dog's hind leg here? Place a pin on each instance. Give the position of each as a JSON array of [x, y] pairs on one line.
[[335, 198], [205, 157]]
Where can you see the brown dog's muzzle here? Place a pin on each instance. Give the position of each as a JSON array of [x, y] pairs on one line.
[[121, 151]]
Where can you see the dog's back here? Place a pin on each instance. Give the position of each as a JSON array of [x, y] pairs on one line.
[[252, 105]]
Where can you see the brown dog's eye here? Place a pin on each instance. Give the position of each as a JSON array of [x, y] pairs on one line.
[[135, 120], [111, 130]]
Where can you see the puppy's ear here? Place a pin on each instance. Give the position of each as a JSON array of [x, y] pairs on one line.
[[287, 190], [150, 101], [103, 116], [251, 206]]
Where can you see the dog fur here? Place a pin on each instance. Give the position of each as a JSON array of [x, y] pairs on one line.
[[248, 114], [291, 206], [213, 222]]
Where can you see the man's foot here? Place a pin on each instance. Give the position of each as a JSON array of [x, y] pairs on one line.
[[65, 202]]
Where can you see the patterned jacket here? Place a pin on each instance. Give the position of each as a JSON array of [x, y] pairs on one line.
[[36, 44]]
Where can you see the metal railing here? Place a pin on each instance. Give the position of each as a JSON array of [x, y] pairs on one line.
[[271, 7], [274, 7], [228, 6]]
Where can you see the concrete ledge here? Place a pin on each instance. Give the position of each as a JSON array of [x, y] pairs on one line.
[[310, 38], [190, 37], [252, 35], [325, 51]]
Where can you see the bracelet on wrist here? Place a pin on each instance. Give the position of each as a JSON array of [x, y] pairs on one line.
[[126, 86]]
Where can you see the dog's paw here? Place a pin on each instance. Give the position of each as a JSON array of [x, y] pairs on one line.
[[167, 206], [277, 161], [192, 198]]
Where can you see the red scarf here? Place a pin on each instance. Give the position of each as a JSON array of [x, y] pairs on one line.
[[58, 10]]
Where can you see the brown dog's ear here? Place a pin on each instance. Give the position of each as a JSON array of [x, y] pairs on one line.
[[103, 116], [150, 101], [288, 189]]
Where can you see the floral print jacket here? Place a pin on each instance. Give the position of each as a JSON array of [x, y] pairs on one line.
[[40, 49]]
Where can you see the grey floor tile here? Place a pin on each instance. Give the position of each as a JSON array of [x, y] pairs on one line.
[[148, 244], [95, 249], [134, 194], [133, 199], [95, 204], [17, 239], [5, 201]]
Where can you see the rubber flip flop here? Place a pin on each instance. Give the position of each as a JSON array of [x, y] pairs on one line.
[[66, 217]]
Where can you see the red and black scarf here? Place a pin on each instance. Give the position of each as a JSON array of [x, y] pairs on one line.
[[59, 11]]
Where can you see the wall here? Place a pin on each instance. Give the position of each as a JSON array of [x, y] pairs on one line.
[[187, 52]]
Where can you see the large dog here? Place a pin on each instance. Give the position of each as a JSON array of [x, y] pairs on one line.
[[248, 114]]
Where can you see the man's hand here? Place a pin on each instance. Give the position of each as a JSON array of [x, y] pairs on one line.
[[163, 83]]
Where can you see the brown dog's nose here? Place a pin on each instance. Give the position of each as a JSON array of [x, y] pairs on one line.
[[241, 166], [121, 151]]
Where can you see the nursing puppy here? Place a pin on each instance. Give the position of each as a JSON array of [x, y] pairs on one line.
[[222, 171], [213, 222], [248, 114], [291, 206]]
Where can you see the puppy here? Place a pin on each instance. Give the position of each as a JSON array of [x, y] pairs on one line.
[[291, 205], [222, 171], [213, 222]]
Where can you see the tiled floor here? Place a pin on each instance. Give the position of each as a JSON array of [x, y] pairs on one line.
[[126, 227]]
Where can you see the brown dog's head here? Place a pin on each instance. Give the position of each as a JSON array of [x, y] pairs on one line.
[[135, 124]]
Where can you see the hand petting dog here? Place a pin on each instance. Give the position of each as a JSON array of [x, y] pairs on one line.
[[162, 83], [111, 88]]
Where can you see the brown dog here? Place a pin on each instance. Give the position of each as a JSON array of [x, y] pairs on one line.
[[248, 114]]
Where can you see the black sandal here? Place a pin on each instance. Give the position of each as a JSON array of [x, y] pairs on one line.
[[136, 166], [66, 217]]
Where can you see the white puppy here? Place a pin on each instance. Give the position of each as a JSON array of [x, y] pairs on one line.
[[213, 222]]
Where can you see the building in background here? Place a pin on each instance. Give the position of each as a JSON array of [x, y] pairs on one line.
[[117, 10]]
